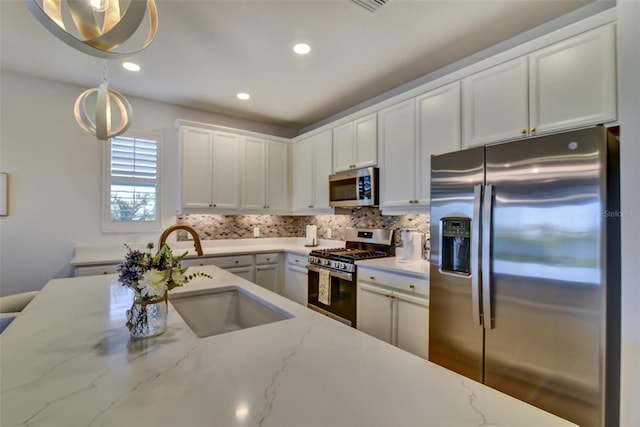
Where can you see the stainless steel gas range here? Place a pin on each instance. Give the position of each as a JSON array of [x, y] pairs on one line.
[[332, 272]]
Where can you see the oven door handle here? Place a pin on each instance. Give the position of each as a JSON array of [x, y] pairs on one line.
[[339, 274]]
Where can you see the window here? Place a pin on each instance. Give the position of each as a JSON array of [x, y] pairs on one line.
[[131, 184]]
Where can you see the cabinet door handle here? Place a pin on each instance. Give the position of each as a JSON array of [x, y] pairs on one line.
[[310, 206], [268, 259], [523, 131], [297, 260], [412, 286], [237, 262], [372, 277], [532, 129], [214, 205], [210, 205]]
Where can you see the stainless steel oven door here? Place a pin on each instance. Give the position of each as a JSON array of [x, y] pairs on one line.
[[342, 304]]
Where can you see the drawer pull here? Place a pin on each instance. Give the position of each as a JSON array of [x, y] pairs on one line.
[[372, 277], [412, 286], [268, 259], [105, 272]]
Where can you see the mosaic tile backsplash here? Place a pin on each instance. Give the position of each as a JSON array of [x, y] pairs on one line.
[[216, 227]]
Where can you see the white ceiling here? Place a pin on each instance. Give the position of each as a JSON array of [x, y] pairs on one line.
[[208, 50]]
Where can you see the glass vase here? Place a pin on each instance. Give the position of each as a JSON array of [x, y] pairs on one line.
[[147, 318]]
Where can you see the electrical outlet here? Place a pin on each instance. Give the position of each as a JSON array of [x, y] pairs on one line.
[[328, 233], [256, 231]]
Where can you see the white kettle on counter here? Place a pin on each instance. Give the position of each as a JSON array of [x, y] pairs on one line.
[[411, 249]]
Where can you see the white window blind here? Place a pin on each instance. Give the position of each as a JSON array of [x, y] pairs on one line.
[[133, 179]]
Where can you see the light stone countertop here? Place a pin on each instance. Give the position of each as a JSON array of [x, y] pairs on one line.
[[418, 269], [68, 360], [111, 254]]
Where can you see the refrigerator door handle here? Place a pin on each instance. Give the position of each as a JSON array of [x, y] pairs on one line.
[[487, 213], [475, 255]]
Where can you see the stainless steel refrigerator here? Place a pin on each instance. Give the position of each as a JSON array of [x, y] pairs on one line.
[[525, 270]]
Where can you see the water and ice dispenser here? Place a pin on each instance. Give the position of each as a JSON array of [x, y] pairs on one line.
[[456, 245]]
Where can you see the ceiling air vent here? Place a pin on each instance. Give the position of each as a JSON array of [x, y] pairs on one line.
[[371, 5]]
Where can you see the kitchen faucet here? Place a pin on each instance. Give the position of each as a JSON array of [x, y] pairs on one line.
[[189, 229]]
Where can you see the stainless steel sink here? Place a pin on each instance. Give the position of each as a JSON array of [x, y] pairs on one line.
[[221, 310]]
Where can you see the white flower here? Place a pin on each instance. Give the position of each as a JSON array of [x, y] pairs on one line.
[[178, 276], [154, 282]]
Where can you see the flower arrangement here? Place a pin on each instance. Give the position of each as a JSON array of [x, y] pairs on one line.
[[151, 277]]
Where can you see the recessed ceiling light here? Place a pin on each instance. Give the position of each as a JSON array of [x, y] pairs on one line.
[[302, 48], [243, 96], [131, 66]]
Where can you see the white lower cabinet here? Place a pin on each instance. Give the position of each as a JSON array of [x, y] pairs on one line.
[[394, 308], [268, 271], [295, 281]]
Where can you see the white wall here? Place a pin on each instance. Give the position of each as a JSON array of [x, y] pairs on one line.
[[55, 176], [629, 102]]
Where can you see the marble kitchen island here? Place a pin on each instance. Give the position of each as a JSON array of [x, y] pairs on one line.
[[68, 360]]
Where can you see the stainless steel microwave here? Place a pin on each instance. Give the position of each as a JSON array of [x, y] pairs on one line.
[[358, 187]]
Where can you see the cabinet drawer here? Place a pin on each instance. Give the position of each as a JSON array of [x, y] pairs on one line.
[[272, 258], [405, 283], [222, 261], [233, 261], [299, 260], [93, 270]]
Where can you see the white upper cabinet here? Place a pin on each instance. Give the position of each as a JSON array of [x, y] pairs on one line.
[[495, 104], [566, 85], [254, 190], [226, 170], [438, 130], [196, 166], [573, 83], [210, 169], [355, 144], [396, 129], [265, 175], [277, 176], [410, 133], [311, 165]]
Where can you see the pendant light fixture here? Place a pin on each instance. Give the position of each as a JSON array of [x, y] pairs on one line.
[[103, 127], [96, 27]]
